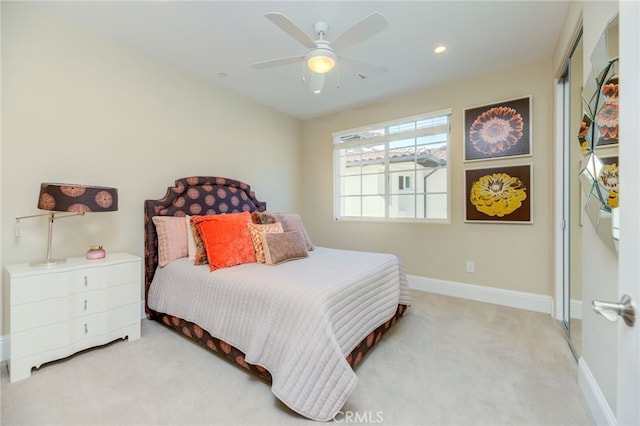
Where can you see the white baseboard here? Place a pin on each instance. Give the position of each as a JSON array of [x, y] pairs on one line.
[[143, 314], [600, 410], [497, 296], [576, 309], [4, 348]]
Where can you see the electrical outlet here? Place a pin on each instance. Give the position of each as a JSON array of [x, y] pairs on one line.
[[470, 266]]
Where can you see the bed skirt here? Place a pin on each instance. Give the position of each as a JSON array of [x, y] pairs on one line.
[[236, 356]]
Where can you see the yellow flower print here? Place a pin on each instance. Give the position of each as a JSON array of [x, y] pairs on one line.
[[498, 194], [582, 135], [609, 179]]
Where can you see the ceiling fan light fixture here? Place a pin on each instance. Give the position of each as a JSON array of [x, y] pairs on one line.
[[440, 49], [321, 60]]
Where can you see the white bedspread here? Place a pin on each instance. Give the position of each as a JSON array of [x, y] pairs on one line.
[[298, 320]]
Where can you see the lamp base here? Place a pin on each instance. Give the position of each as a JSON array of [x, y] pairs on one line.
[[48, 263]]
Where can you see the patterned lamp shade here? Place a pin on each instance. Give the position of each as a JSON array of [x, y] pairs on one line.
[[62, 197]]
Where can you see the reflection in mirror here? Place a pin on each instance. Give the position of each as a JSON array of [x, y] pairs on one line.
[[570, 89], [598, 138], [607, 46]]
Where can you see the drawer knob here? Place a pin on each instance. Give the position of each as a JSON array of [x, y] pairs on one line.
[[85, 304], [86, 281], [86, 329]]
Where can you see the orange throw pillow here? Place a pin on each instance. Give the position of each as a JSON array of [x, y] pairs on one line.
[[226, 238]]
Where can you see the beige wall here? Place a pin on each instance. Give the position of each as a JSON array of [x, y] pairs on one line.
[[515, 257], [81, 108]]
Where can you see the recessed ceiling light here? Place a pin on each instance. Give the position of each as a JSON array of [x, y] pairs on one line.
[[440, 49]]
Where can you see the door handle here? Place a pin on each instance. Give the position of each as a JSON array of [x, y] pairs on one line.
[[612, 311]]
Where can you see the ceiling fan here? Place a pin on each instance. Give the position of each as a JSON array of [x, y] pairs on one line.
[[321, 57]]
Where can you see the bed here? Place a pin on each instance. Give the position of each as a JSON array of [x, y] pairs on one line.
[[302, 325]]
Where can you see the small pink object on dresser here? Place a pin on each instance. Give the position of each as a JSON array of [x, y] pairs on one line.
[[96, 252]]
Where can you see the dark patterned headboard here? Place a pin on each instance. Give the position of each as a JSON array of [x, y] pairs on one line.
[[197, 195]]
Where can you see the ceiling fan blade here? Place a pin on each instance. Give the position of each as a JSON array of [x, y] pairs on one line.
[[290, 28], [362, 30], [316, 82], [277, 62], [359, 63]]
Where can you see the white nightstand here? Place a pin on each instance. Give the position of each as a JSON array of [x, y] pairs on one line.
[[58, 310]]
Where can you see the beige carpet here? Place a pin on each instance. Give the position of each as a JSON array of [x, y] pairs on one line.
[[447, 362]]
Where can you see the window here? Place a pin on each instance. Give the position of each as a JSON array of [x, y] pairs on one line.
[[394, 171], [404, 182]]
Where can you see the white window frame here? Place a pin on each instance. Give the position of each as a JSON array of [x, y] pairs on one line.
[[404, 182], [379, 134]]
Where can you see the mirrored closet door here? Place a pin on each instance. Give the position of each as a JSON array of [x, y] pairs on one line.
[[570, 89]]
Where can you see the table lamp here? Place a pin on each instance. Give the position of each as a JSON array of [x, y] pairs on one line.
[[74, 200]]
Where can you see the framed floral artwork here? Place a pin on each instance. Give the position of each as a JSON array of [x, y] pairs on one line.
[[499, 194], [607, 116], [498, 130]]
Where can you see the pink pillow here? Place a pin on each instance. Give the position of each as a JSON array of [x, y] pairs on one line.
[[289, 221], [293, 222], [172, 238], [226, 238]]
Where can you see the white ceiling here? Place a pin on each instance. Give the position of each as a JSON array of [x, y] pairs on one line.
[[219, 40]]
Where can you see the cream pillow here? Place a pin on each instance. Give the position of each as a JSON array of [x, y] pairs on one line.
[[256, 231]]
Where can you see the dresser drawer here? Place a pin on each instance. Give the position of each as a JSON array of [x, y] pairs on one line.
[[63, 309], [70, 334], [36, 287], [58, 310]]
